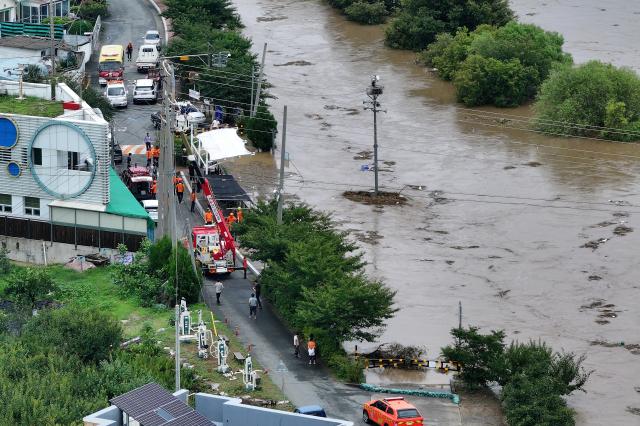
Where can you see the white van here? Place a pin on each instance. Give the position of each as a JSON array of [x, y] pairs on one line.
[[147, 57], [116, 94]]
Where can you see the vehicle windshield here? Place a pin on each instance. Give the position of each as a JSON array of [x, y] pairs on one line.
[[141, 188], [110, 66], [408, 413], [115, 91], [152, 36], [148, 50]]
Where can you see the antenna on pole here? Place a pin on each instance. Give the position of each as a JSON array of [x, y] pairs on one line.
[[373, 91]]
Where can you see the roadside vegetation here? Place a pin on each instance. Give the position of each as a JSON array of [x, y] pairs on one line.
[[66, 362], [315, 280], [368, 12], [534, 378], [501, 66], [213, 26]]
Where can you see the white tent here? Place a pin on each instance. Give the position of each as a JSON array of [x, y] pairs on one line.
[[219, 144]]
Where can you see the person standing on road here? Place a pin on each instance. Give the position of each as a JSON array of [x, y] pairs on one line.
[[129, 50], [154, 188], [193, 201], [156, 156], [180, 191], [129, 160], [257, 289], [311, 349], [219, 287], [253, 306], [147, 141], [296, 345], [149, 154]]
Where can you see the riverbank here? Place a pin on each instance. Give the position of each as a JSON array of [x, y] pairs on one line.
[[502, 213]]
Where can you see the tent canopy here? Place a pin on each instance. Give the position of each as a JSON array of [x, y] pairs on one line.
[[221, 144]]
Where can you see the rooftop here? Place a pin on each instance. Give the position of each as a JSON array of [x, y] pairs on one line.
[[31, 43], [30, 106]]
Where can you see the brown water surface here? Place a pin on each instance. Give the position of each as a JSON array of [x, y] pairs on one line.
[[497, 216]]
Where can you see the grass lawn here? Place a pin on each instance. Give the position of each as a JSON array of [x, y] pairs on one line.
[[94, 288], [30, 106]]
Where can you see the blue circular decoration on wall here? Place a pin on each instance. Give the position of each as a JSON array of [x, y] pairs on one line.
[[14, 169], [8, 133]]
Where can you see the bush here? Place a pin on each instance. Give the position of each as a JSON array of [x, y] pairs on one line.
[[417, 25], [94, 98], [80, 27], [363, 12], [346, 368], [580, 101], [260, 129], [5, 263], [33, 74], [530, 402], [27, 286]]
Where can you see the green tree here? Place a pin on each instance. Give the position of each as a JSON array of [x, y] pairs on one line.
[[213, 13], [364, 12], [587, 99], [534, 402], [189, 281], [260, 129], [447, 53], [479, 354], [417, 25], [89, 334], [33, 74], [94, 98], [27, 286], [5, 263]]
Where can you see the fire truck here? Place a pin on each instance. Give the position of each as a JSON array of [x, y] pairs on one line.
[[213, 246]]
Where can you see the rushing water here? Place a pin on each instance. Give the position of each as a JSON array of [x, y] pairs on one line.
[[504, 234]]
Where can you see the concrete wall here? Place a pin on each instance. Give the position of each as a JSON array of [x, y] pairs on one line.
[[231, 412], [110, 416], [30, 251]]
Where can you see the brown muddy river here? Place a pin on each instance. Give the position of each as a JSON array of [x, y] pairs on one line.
[[497, 217]]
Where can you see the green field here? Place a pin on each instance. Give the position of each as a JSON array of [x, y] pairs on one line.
[[30, 106]]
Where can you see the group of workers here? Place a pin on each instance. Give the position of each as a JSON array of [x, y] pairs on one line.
[[231, 219], [153, 153]]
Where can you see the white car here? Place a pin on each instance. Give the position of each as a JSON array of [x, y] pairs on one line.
[[116, 94], [145, 90], [152, 37], [151, 206]]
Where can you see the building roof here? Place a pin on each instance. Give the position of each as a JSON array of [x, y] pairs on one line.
[[152, 405], [122, 202], [226, 188], [31, 43]]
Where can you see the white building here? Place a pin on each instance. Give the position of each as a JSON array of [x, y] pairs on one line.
[[8, 10], [57, 187]]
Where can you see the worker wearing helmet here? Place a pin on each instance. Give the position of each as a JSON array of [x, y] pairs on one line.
[[231, 219], [180, 190], [240, 215], [154, 188], [208, 217]]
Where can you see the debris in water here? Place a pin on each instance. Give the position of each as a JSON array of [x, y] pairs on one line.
[[602, 322], [604, 224], [633, 410], [389, 163], [493, 256], [464, 247], [417, 187], [314, 116], [508, 167], [363, 155], [594, 244], [369, 237], [437, 197], [634, 348], [450, 262], [383, 198], [270, 18], [619, 203], [596, 304], [296, 63], [502, 293], [622, 230], [621, 214], [594, 278], [533, 164]]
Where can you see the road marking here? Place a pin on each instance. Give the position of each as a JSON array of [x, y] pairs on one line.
[[133, 149]]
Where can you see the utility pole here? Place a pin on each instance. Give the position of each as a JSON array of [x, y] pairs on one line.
[[373, 92], [282, 158], [256, 101], [253, 77], [53, 51], [165, 166]]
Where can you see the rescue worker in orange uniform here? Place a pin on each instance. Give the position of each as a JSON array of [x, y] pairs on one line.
[[154, 188], [231, 219], [193, 201], [156, 156], [149, 155], [180, 191], [240, 214], [208, 217]]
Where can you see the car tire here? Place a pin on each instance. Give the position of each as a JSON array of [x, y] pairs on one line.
[[365, 417]]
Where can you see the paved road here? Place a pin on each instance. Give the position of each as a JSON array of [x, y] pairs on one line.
[[128, 22]]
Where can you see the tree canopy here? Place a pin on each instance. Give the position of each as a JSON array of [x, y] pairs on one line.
[[419, 21], [593, 99]]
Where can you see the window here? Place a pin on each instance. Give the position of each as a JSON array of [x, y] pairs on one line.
[[72, 160], [32, 206], [408, 413], [5, 203], [44, 11], [5, 15], [36, 156], [58, 9]]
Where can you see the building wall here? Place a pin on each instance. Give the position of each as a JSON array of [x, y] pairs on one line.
[[11, 5], [34, 251]]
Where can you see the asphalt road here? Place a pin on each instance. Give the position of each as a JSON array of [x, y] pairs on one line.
[[128, 22]]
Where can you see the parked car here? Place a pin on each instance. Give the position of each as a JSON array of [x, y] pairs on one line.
[[147, 57], [116, 94], [151, 206], [145, 90], [152, 37], [391, 411], [186, 115], [139, 181], [311, 410]]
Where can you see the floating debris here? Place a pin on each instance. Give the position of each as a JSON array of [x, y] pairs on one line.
[[622, 230], [295, 63]]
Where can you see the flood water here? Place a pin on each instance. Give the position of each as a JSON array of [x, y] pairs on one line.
[[497, 216]]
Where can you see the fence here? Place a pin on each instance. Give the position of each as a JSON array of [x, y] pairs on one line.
[[12, 29], [53, 233]]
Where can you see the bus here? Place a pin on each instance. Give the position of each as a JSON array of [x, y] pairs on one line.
[[111, 63]]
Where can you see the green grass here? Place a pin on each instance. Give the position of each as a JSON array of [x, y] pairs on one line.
[[30, 106], [95, 288]]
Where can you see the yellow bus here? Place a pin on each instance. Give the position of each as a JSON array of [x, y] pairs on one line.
[[111, 63]]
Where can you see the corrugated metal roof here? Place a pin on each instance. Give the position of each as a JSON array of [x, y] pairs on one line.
[[152, 405]]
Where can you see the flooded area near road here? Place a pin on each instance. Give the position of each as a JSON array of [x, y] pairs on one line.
[[535, 235]]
